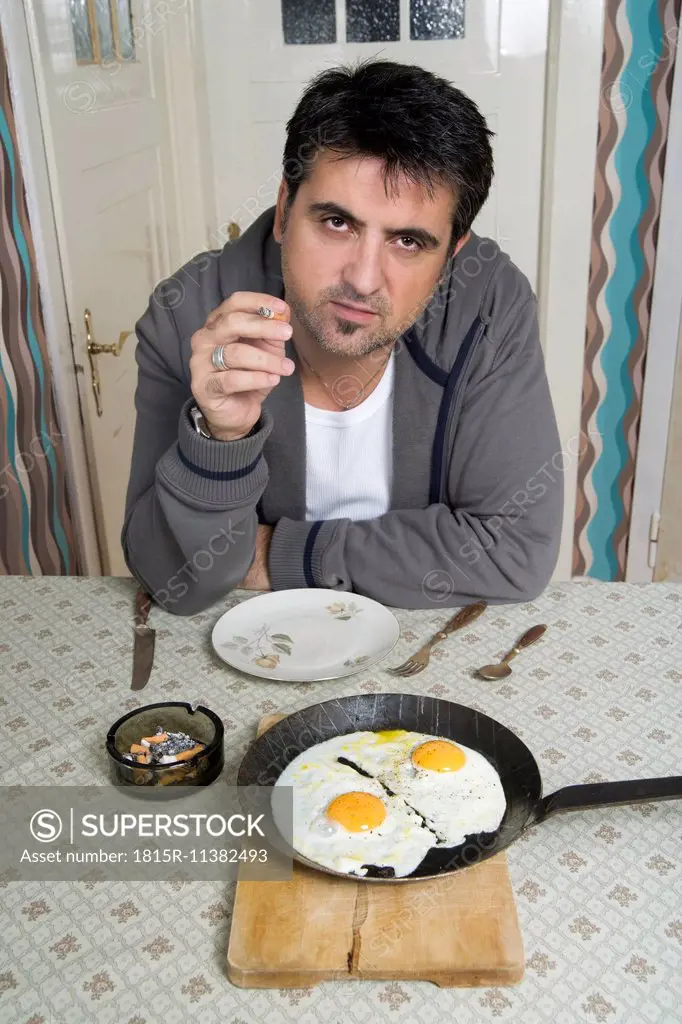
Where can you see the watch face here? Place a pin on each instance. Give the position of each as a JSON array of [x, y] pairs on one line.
[[199, 422]]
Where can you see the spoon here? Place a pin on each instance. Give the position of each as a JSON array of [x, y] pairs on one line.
[[503, 669]]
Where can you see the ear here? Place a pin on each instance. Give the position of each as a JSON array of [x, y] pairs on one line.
[[463, 241], [277, 229]]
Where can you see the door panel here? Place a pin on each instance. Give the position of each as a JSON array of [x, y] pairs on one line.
[[500, 63]]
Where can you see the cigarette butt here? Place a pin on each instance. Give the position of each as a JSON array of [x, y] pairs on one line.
[[142, 758], [280, 316], [186, 754], [160, 737], [136, 748]]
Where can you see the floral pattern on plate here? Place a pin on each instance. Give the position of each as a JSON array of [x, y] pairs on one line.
[[343, 612], [265, 644]]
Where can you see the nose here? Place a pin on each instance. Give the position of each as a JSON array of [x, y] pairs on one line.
[[363, 270]]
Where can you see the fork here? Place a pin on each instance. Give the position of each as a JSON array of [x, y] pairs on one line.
[[418, 662]]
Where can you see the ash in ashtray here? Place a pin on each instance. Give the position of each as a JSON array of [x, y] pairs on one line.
[[164, 748]]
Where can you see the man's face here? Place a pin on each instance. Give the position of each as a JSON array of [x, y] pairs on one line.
[[346, 244]]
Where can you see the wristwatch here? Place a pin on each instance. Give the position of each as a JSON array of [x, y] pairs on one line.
[[199, 421], [201, 426]]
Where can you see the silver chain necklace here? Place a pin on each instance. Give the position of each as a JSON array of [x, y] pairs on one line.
[[330, 389]]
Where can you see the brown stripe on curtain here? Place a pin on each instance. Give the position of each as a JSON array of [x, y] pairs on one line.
[[36, 528]]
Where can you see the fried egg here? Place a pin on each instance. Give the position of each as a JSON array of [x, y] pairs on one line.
[[454, 788], [347, 822]]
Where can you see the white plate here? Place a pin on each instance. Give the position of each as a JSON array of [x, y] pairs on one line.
[[305, 635]]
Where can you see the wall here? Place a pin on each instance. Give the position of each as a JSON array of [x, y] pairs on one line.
[[36, 534], [637, 76]]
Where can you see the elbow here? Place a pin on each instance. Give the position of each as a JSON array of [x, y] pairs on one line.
[[532, 570], [187, 599], [186, 604], [528, 590], [179, 596]]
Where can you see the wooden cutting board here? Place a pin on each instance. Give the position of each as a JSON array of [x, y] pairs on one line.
[[458, 930]]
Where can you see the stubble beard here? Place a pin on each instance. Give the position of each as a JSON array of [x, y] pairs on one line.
[[338, 342], [345, 338]]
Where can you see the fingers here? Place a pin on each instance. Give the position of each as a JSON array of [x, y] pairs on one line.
[[237, 325], [250, 325], [254, 353], [240, 356], [250, 302], [234, 382]]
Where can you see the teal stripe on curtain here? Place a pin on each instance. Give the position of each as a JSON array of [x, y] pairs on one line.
[[36, 529]]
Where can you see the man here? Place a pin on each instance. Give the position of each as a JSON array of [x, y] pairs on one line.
[[351, 395]]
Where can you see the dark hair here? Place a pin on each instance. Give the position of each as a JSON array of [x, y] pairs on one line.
[[419, 124]]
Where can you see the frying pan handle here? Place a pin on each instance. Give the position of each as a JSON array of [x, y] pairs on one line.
[[600, 794]]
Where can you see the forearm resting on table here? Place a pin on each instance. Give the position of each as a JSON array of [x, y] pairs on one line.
[[413, 558], [258, 577]]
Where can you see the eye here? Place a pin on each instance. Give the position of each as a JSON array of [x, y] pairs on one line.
[[413, 244], [334, 217]]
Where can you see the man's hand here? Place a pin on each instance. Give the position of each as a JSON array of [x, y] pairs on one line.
[[258, 577], [255, 354]]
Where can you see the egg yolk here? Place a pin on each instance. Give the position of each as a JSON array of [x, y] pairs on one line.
[[388, 735], [357, 812], [439, 756]]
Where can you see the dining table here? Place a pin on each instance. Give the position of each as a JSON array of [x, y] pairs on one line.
[[598, 891]]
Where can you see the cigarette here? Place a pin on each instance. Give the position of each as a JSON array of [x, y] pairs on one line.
[[269, 314]]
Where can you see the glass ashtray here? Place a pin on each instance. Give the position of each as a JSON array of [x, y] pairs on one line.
[[199, 769]]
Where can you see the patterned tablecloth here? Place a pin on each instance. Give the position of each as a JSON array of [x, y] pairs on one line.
[[599, 892]]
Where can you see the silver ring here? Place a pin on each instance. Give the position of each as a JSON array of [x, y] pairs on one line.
[[265, 311], [218, 358]]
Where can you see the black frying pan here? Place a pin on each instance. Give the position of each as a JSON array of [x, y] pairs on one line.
[[269, 755]]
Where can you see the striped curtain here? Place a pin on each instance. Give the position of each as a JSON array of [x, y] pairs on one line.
[[36, 531], [640, 38]]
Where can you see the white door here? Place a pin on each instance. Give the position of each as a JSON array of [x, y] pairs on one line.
[[254, 80], [111, 162]]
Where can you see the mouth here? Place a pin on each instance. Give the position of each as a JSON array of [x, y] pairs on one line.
[[356, 313]]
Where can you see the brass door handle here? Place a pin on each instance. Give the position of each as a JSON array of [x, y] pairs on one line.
[[93, 349]]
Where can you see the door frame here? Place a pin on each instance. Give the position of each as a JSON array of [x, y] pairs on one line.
[[661, 356], [194, 210], [573, 79], [573, 96]]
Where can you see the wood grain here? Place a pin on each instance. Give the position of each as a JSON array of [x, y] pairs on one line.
[[458, 930]]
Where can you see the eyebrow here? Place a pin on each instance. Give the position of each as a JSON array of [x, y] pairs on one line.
[[428, 240]]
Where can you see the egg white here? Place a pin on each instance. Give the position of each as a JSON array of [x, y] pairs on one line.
[[400, 841]]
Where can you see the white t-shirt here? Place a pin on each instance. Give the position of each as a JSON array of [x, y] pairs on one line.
[[349, 456]]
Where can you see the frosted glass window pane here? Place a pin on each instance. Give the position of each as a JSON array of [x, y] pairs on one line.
[[80, 26], [104, 30], [309, 21], [437, 19], [371, 22], [125, 29]]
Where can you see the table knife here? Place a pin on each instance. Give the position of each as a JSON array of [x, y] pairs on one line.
[[145, 636]]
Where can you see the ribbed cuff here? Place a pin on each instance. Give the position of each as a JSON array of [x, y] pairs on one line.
[[220, 472], [296, 552]]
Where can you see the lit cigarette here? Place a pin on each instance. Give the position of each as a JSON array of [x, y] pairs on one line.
[[269, 314]]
